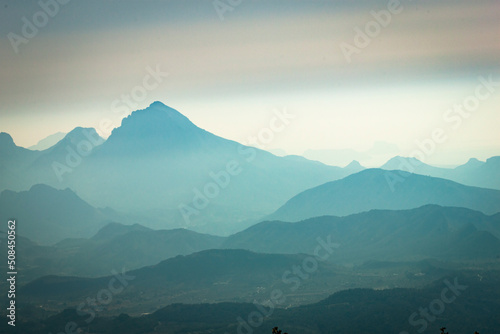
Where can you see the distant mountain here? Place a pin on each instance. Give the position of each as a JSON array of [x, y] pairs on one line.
[[114, 230], [430, 231], [160, 165], [127, 246], [354, 167], [473, 173], [485, 174], [114, 246], [13, 161], [380, 189], [46, 215], [48, 142], [380, 151], [410, 235], [22, 168], [54, 164], [413, 165]]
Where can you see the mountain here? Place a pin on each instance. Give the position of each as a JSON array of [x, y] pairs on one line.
[[207, 276], [13, 160], [473, 173], [115, 230], [22, 168], [48, 142], [46, 215], [227, 276], [471, 165], [482, 174], [127, 246], [380, 151], [413, 165], [474, 297], [427, 232], [380, 189], [113, 246], [354, 167], [160, 165], [430, 231], [54, 164]]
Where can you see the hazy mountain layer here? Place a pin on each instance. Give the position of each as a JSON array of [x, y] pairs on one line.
[[46, 215], [473, 173], [227, 275], [381, 189], [463, 302], [427, 232], [159, 165]]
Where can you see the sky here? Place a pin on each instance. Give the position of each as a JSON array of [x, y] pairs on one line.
[[369, 79]]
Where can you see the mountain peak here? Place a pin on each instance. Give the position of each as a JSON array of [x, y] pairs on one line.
[[6, 140], [156, 118], [76, 138], [48, 142], [474, 162], [399, 162], [79, 133], [159, 104], [493, 160], [156, 127], [354, 164]]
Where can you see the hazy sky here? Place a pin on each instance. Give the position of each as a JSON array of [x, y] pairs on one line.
[[230, 76]]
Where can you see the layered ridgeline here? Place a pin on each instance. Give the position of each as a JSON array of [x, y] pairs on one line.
[[441, 233], [381, 189], [226, 275], [158, 164], [114, 246], [161, 168], [484, 174], [431, 231], [47, 215], [474, 307], [22, 168]]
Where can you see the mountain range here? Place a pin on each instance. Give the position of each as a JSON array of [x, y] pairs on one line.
[[428, 232], [380, 189], [47, 215], [431, 231], [159, 165], [484, 174]]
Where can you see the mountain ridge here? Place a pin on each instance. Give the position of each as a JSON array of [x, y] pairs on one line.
[[381, 189]]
